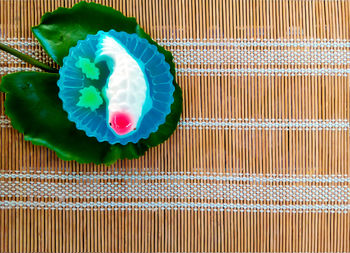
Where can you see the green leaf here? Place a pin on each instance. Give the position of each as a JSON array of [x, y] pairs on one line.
[[61, 29], [36, 111]]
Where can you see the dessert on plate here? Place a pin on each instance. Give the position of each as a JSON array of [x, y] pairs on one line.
[[113, 97]]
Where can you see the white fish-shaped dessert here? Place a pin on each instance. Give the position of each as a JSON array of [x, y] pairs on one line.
[[126, 87]]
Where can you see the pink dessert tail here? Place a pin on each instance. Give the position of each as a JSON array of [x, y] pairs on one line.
[[121, 123]]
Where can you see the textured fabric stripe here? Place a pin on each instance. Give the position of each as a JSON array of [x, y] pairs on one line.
[[4, 122], [252, 124], [9, 70], [174, 190], [234, 56], [146, 175], [273, 124], [22, 42], [264, 72], [8, 59], [259, 57], [331, 208], [203, 42], [321, 57]]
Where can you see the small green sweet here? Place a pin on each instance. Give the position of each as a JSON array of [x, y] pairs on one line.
[[90, 98], [88, 68]]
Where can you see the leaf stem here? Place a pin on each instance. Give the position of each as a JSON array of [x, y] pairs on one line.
[[27, 58]]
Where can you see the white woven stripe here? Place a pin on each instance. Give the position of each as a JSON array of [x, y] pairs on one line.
[[177, 187], [147, 174], [234, 56], [252, 124], [273, 124], [11, 59], [4, 122], [325, 208], [9, 70], [245, 57], [263, 72], [22, 42], [323, 56], [175, 190], [203, 42]]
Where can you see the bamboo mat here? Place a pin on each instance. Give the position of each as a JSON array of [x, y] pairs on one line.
[[260, 161]]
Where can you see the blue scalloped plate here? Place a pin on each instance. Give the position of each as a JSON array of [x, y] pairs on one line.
[[95, 123]]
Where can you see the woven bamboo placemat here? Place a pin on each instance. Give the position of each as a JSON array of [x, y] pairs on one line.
[[260, 161]]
